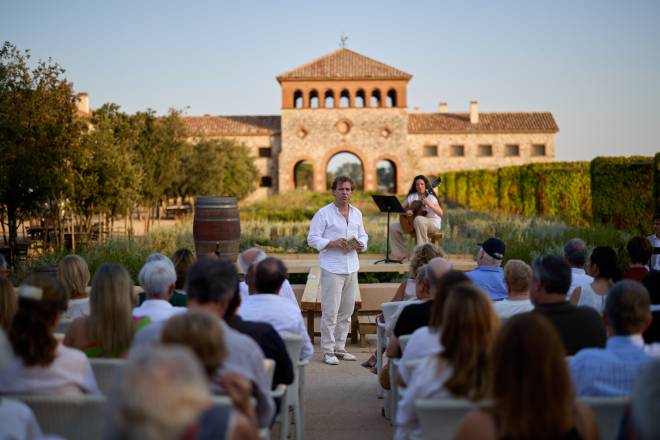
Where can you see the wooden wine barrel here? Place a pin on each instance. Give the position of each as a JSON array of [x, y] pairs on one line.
[[217, 226]]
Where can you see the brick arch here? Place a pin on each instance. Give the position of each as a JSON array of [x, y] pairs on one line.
[[397, 167], [292, 171], [369, 183]]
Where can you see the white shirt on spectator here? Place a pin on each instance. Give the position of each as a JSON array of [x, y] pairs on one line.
[[507, 308], [588, 297], [328, 224], [17, 421], [281, 314], [578, 278], [423, 342], [286, 291], [70, 373], [655, 258], [394, 309], [157, 310], [77, 307]]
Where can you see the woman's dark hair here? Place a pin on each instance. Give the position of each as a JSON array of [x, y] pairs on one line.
[[445, 284], [604, 257], [31, 334], [183, 259], [639, 250], [426, 182]]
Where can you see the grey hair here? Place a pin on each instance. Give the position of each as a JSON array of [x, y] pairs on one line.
[[163, 390], [488, 259], [575, 252], [156, 277], [260, 256]]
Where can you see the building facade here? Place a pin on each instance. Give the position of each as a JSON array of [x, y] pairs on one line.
[[347, 104]]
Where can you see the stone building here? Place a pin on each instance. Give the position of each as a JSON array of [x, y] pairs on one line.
[[347, 104]]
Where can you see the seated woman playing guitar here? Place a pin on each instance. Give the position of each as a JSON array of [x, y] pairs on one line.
[[422, 217]]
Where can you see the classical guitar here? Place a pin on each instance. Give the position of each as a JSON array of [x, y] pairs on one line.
[[417, 207]]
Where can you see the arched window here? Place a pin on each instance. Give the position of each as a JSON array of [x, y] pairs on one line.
[[391, 98], [344, 99], [298, 99], [375, 98], [313, 99], [386, 176], [345, 164], [303, 175], [360, 100], [329, 99]]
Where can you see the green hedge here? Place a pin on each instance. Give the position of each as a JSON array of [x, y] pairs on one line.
[[510, 190], [482, 194], [622, 191]]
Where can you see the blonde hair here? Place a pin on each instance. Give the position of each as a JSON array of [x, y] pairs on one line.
[[8, 303], [518, 276], [469, 325], [73, 273], [200, 331], [110, 324], [422, 254]]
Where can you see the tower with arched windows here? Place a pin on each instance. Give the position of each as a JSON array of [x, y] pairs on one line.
[[347, 113]]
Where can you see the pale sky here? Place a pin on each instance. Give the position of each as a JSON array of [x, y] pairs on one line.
[[594, 64]]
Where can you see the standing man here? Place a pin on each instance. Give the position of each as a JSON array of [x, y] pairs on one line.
[[654, 239], [337, 233]]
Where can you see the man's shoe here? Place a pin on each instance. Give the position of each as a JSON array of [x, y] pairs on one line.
[[345, 356], [330, 359]]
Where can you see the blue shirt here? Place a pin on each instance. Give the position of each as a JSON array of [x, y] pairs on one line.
[[609, 371], [491, 280]]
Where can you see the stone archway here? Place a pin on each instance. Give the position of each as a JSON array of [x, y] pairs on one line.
[[386, 176], [303, 175], [345, 163]]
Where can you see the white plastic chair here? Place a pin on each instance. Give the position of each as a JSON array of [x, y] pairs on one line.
[[381, 344], [292, 397], [439, 418], [403, 341], [107, 372], [302, 368], [79, 417], [269, 367], [608, 412]]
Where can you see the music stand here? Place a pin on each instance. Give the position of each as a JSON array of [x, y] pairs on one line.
[[388, 204]]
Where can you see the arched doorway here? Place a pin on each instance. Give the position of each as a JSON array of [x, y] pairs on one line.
[[386, 176], [347, 164], [303, 175]]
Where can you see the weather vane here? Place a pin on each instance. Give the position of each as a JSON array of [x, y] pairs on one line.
[[343, 40]]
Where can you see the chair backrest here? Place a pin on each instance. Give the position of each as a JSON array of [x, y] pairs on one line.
[[293, 345], [107, 372], [608, 412], [403, 341], [412, 365], [389, 308], [439, 418], [80, 417], [62, 326], [269, 367]]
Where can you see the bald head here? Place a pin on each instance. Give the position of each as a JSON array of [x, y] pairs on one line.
[[251, 256], [436, 268]]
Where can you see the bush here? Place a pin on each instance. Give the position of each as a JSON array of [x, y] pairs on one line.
[[509, 190], [483, 190]]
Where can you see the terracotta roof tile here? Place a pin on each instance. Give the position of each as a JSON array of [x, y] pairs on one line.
[[488, 122], [232, 125], [344, 64]]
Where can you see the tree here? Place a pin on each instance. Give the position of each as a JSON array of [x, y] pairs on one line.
[[39, 137], [218, 167]]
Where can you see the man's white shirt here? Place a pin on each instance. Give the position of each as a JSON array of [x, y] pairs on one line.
[[578, 278], [286, 291], [655, 258], [157, 310], [281, 314], [329, 224]]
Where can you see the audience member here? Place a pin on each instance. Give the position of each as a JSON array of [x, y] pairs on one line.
[[645, 404], [182, 259], [42, 366], [108, 330], [532, 395], [611, 371], [575, 254], [652, 283], [73, 273], [469, 324], [177, 298], [488, 273], [518, 279], [422, 254], [392, 309], [268, 339], [425, 341], [158, 279], [266, 305], [4, 268], [654, 240], [253, 256], [639, 252], [578, 327], [163, 395], [210, 286], [8, 303], [602, 265]]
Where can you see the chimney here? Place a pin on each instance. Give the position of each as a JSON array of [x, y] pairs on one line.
[[83, 103], [443, 107], [474, 112]]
